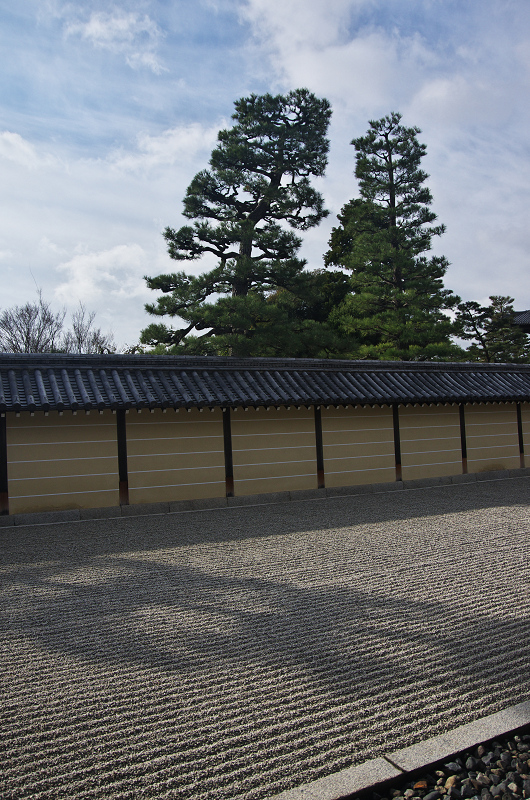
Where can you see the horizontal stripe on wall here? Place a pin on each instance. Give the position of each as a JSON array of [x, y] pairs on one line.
[[174, 485], [173, 453], [170, 438], [455, 437], [364, 469], [278, 477], [432, 463], [272, 463], [62, 494], [331, 447], [432, 452], [65, 477], [355, 457], [506, 447], [294, 448], [58, 460], [70, 441], [173, 469]]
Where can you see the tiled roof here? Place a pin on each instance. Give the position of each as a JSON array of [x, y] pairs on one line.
[[49, 381], [522, 319]]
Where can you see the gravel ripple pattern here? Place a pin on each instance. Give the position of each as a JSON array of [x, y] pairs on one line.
[[231, 654]]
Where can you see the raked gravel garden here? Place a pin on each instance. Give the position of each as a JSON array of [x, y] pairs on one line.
[[231, 654]]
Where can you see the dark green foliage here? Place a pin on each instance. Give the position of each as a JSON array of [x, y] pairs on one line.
[[397, 300], [258, 180], [492, 332]]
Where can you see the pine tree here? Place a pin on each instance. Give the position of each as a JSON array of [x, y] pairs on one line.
[[243, 207], [491, 330], [397, 302]]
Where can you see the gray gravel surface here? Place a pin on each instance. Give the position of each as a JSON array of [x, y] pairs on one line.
[[238, 652]]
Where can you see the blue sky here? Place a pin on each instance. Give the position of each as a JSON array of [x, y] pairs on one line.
[[107, 110]]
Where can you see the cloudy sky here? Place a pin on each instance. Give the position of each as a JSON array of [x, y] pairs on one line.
[[109, 109]]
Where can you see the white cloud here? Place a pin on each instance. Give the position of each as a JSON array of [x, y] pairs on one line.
[[177, 145], [46, 246], [462, 100], [334, 51], [18, 150], [129, 34], [113, 273], [300, 23]]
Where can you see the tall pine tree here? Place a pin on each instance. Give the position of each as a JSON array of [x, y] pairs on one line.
[[395, 310], [257, 189]]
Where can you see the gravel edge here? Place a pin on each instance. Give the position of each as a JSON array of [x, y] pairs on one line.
[[491, 736]]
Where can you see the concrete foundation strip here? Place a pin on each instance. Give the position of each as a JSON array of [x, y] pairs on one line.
[[401, 763]]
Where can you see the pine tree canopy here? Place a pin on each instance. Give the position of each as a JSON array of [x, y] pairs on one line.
[[395, 310], [244, 209], [494, 336]]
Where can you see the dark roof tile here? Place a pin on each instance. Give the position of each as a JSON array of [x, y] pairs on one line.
[[56, 381]]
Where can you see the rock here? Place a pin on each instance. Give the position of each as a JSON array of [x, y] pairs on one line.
[[481, 751], [432, 796], [453, 766], [488, 758], [452, 780], [523, 747], [421, 784], [471, 762]]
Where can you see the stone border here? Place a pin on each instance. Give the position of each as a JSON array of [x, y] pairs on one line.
[[180, 506], [400, 763]]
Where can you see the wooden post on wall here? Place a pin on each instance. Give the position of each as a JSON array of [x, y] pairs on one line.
[[229, 463], [463, 440], [397, 441], [4, 492], [320, 448], [122, 458], [520, 434]]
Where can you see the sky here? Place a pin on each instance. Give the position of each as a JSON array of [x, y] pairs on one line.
[[108, 110]]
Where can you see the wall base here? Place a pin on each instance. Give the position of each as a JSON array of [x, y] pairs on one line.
[[183, 506]]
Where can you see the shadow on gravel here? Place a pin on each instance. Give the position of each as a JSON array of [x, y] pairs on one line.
[[74, 542], [376, 618], [216, 654]]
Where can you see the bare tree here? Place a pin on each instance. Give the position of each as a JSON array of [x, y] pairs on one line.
[[36, 328], [83, 337], [31, 328]]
